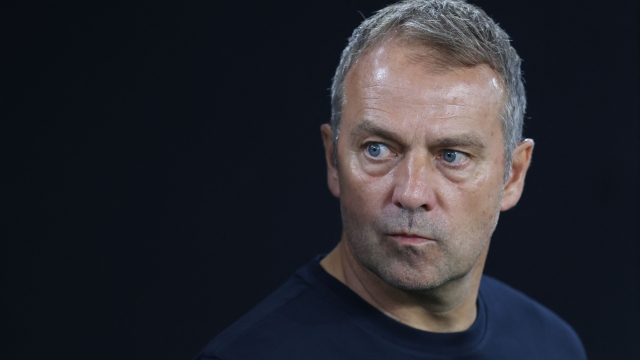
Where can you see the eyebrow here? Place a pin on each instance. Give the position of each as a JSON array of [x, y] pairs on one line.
[[367, 128], [467, 140], [462, 140]]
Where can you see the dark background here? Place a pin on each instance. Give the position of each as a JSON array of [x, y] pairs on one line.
[[163, 169]]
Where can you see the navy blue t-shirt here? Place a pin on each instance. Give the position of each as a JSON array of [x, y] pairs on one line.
[[315, 316]]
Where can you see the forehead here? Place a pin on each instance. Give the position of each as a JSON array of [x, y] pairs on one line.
[[404, 79]]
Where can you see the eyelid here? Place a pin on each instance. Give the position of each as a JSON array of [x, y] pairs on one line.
[[369, 142], [392, 145], [456, 150]]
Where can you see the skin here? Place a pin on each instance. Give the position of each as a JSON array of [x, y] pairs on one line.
[[420, 182]]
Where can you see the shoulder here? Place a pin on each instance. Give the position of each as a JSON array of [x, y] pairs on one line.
[[520, 321], [291, 312], [274, 305], [507, 303]]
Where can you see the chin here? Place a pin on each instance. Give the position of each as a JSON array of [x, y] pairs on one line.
[[407, 278]]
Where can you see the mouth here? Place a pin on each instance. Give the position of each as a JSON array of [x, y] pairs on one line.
[[410, 238]]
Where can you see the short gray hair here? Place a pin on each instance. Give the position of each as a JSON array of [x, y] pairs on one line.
[[460, 34]]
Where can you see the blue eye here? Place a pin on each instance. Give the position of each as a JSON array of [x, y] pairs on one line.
[[453, 157], [374, 149], [377, 150]]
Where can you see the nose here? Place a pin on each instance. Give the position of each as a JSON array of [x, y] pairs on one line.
[[414, 183]]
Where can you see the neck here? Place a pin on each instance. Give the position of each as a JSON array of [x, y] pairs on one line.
[[448, 308]]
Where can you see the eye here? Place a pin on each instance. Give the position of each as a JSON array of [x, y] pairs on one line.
[[377, 150], [453, 157]]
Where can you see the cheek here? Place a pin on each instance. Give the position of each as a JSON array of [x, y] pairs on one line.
[[473, 202], [361, 192]]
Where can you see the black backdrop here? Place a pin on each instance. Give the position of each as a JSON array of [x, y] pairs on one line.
[[164, 169]]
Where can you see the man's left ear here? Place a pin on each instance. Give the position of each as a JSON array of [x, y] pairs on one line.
[[520, 162]]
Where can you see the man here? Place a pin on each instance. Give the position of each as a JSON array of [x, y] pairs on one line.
[[424, 150]]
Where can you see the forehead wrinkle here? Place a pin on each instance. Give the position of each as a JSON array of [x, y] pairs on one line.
[[422, 111], [452, 95], [367, 112]]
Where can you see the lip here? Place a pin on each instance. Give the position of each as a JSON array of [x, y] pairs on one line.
[[413, 239]]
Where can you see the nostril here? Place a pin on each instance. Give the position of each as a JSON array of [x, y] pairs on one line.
[[413, 200]]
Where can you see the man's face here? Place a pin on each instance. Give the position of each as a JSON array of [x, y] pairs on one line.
[[420, 166]]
